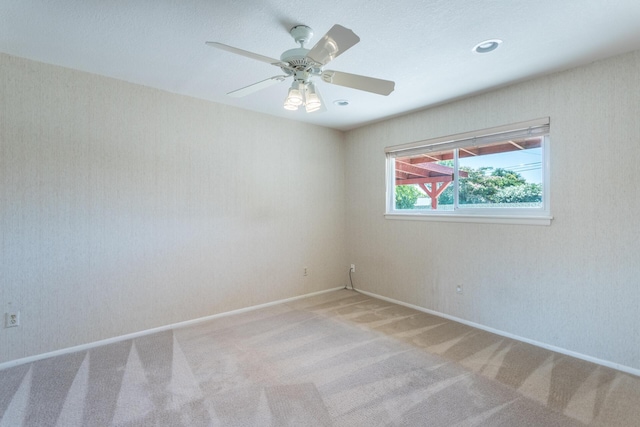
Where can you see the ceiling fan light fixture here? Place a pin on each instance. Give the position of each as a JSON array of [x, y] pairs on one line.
[[289, 106], [312, 106], [312, 100], [294, 96]]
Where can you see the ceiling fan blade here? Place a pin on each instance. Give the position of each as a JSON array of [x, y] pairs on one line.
[[239, 93], [355, 81], [246, 53], [332, 44]]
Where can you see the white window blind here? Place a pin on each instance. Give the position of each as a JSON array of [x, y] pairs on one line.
[[521, 130]]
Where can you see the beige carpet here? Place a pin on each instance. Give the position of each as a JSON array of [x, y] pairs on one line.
[[338, 359]]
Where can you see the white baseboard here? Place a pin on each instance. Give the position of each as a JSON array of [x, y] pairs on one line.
[[608, 364], [91, 345], [613, 365]]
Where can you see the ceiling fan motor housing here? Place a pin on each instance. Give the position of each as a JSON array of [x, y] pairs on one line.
[[296, 59], [298, 62]]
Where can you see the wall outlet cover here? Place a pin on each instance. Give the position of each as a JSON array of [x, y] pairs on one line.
[[12, 319]]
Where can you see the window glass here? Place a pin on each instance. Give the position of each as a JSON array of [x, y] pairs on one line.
[[421, 179], [503, 175]]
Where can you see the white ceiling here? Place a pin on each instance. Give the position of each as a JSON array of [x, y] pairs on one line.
[[422, 45]]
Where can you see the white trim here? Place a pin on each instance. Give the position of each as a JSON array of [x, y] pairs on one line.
[[133, 335], [608, 364], [483, 219]]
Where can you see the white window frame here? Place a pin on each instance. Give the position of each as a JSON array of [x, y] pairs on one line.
[[501, 215]]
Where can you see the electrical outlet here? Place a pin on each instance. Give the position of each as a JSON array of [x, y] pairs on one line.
[[459, 289], [353, 268], [305, 271], [12, 319]]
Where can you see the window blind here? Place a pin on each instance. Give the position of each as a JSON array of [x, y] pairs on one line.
[[521, 130]]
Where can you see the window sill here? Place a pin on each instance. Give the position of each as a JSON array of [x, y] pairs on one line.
[[483, 219]]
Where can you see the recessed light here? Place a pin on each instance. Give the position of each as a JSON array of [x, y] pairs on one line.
[[487, 46], [341, 102]]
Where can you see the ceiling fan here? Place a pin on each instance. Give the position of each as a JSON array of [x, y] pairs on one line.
[[304, 64]]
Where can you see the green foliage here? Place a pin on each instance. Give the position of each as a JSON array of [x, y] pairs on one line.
[[489, 185], [406, 196], [520, 193], [446, 197]]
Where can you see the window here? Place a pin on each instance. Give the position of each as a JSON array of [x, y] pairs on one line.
[[494, 175]]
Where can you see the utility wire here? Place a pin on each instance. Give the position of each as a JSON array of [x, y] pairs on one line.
[[350, 281]]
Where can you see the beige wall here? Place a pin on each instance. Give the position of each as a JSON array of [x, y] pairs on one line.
[[124, 208], [574, 284]]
